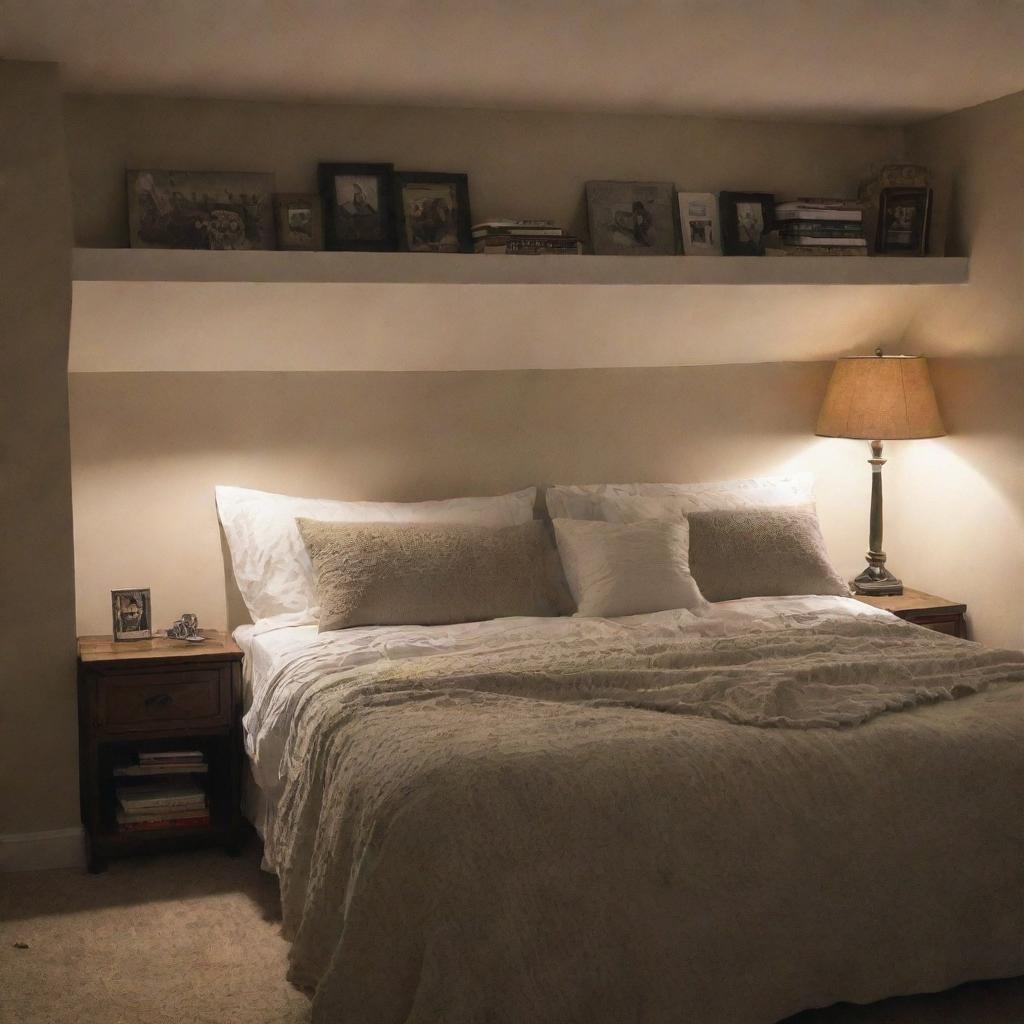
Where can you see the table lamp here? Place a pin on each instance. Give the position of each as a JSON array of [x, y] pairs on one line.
[[879, 398]]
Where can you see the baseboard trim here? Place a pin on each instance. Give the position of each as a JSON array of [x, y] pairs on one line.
[[39, 851]]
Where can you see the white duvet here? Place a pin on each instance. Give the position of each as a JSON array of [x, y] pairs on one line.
[[282, 662], [725, 817]]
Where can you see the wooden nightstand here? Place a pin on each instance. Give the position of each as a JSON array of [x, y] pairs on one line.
[[925, 610], [151, 696]]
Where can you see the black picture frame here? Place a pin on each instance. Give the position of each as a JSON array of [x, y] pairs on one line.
[[346, 228], [904, 218], [132, 614], [744, 227], [437, 228]]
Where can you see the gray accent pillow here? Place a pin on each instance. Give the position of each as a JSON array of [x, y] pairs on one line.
[[761, 552], [392, 574]]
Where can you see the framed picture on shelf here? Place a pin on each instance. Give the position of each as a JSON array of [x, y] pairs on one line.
[[299, 218], [746, 217], [358, 198], [632, 218], [132, 614], [200, 210], [904, 215], [432, 212], [698, 223]]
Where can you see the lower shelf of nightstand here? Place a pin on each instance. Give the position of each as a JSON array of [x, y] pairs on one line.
[[109, 845]]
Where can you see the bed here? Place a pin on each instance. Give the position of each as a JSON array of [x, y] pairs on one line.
[[726, 816]]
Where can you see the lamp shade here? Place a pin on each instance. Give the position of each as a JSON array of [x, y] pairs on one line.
[[880, 398]]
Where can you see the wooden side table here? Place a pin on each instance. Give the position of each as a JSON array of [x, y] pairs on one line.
[[150, 696], [927, 610]]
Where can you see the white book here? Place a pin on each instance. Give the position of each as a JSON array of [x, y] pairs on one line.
[[831, 242], [803, 213], [514, 224]]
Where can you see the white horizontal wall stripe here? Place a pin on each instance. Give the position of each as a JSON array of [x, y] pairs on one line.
[[151, 326]]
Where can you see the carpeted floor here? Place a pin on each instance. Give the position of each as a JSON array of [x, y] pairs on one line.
[[193, 939]]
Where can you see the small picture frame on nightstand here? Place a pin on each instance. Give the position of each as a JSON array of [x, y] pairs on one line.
[[132, 614]]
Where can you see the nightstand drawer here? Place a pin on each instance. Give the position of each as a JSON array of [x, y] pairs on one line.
[[139, 701], [951, 625]]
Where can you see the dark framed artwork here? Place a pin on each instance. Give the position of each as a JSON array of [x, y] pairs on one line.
[[904, 216], [132, 614], [299, 219], [432, 212], [200, 210], [359, 205], [746, 217], [633, 218]]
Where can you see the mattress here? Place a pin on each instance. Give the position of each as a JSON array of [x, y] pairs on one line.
[[725, 817]]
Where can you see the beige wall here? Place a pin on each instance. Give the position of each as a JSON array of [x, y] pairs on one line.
[[149, 448], [38, 779], [958, 518], [953, 505]]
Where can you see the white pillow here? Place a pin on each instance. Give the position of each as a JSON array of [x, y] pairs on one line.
[[271, 566], [590, 501], [627, 568]]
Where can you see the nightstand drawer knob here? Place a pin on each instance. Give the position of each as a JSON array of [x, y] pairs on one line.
[[158, 700]]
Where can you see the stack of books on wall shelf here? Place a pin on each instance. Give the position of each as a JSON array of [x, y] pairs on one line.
[[524, 238], [159, 805], [164, 762], [820, 227]]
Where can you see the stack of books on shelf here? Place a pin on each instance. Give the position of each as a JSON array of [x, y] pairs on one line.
[[169, 798], [164, 762], [821, 227], [524, 238]]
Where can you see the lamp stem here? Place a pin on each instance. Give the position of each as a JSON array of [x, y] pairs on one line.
[[876, 579], [875, 533]]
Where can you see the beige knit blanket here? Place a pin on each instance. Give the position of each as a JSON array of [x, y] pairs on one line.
[[724, 829]]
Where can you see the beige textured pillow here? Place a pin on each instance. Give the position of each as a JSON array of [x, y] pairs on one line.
[[390, 574], [618, 569], [761, 552]]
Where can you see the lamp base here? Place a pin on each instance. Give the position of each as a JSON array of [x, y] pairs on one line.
[[877, 581]]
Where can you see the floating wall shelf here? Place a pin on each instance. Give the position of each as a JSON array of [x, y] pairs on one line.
[[155, 265]]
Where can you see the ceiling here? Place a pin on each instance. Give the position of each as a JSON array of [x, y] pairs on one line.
[[847, 60]]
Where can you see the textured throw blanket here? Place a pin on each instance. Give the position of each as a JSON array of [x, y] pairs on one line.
[[704, 829]]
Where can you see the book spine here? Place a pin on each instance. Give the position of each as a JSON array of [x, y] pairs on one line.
[[821, 202], [825, 228], [529, 237], [811, 250], [162, 823], [520, 247], [493, 225], [143, 770], [810, 243], [521, 232], [160, 758], [832, 216], [134, 806]]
